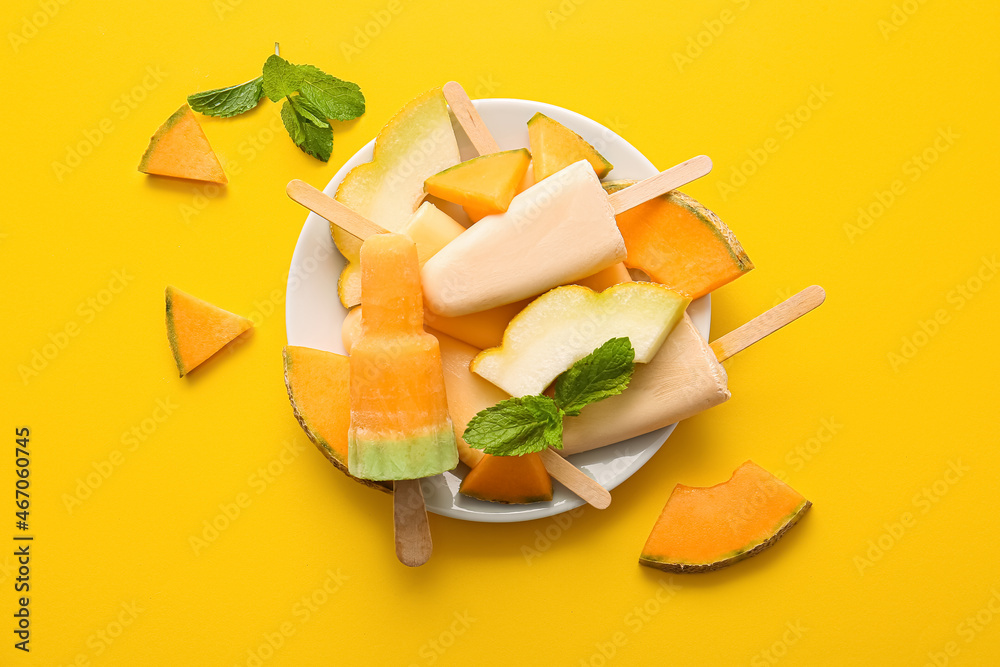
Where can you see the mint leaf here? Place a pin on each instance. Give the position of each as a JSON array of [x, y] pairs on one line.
[[281, 78], [516, 426], [227, 102], [312, 138], [604, 372], [308, 111], [335, 98]]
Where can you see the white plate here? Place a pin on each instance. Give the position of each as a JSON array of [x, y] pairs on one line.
[[313, 313]]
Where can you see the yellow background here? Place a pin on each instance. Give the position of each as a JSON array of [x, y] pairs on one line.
[[858, 431]]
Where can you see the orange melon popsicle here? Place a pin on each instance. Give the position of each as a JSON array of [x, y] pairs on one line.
[[400, 428]]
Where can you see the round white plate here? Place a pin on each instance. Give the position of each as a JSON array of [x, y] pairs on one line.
[[313, 313]]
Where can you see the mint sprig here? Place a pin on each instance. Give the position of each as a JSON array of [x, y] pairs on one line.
[[527, 424], [312, 97]]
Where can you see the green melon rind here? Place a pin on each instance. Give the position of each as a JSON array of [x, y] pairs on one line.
[[692, 568], [319, 440], [526, 501], [607, 165], [158, 135], [172, 333], [707, 216], [405, 458]]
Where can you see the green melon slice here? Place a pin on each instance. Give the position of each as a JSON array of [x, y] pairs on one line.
[[554, 146], [197, 329], [705, 528]]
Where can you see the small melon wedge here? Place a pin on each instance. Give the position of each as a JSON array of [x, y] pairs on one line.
[[514, 480], [475, 214], [486, 183], [416, 143], [680, 243], [197, 329], [179, 148], [431, 229], [554, 146], [318, 384], [705, 528], [569, 322]]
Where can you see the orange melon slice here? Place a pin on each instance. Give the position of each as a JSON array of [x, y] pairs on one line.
[[197, 329], [179, 148], [508, 479], [400, 428], [485, 184], [703, 529], [554, 146], [318, 384], [475, 214], [680, 243]]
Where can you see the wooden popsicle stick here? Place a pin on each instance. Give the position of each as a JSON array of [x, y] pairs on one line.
[[768, 322], [410, 527], [469, 118], [662, 183], [575, 479], [326, 206]]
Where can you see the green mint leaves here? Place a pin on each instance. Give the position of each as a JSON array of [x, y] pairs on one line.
[[312, 97], [519, 426]]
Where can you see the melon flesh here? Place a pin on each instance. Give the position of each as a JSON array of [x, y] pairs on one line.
[[681, 244], [554, 146], [416, 143], [179, 148], [486, 183], [400, 427], [197, 329], [705, 528], [430, 229], [509, 479], [318, 384]]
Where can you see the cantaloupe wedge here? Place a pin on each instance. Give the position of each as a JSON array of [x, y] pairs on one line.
[[318, 384], [486, 183], [475, 214], [554, 146], [416, 143], [680, 243], [569, 322], [197, 329], [705, 528], [517, 480], [400, 427], [179, 148]]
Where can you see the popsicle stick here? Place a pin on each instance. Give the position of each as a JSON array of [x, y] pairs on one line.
[[662, 183], [412, 532], [768, 322], [469, 119], [575, 479], [324, 205]]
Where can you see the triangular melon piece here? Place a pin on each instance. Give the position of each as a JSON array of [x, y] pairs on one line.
[[197, 329], [318, 384], [181, 149], [486, 184], [554, 146], [508, 479], [703, 529]]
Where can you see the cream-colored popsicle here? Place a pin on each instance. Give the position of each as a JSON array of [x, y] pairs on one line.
[[557, 231]]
